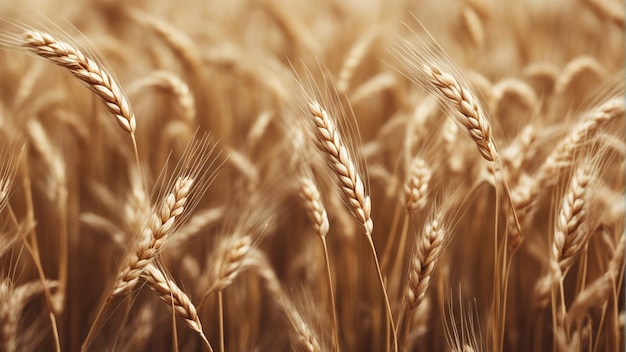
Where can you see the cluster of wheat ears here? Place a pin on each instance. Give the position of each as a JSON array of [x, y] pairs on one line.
[[312, 175]]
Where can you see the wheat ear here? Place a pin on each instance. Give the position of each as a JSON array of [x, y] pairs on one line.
[[525, 195], [317, 212], [161, 225], [428, 250], [416, 186], [97, 79], [340, 161], [170, 293], [569, 236], [230, 260], [467, 110]]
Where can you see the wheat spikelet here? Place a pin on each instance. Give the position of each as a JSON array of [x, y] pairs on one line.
[[97, 79], [602, 288], [354, 57], [12, 302], [303, 332], [428, 249], [178, 41], [382, 82], [340, 161]]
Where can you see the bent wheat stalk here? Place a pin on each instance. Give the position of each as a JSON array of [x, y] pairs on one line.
[[161, 225]]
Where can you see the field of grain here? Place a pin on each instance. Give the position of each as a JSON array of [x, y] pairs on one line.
[[267, 175]]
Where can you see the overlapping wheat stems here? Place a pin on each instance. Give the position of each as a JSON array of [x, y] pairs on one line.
[[170, 293], [161, 224], [468, 113], [87, 70], [526, 193], [352, 187], [318, 215]]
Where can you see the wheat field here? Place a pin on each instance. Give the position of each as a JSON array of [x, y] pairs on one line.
[[360, 175]]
